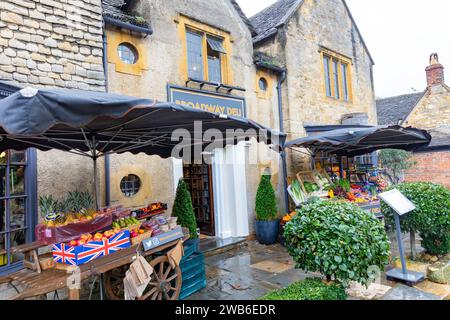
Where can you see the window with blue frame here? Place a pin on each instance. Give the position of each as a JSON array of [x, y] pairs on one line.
[[17, 200], [204, 56], [195, 55], [14, 224]]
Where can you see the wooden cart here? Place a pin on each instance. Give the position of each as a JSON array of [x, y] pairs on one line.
[[165, 283]]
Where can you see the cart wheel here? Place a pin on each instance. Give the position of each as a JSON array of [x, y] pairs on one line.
[[165, 283], [113, 283]]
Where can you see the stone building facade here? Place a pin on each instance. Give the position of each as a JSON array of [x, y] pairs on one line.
[[429, 110], [299, 35], [151, 48]]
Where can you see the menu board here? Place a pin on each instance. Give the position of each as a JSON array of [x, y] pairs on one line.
[[397, 201]]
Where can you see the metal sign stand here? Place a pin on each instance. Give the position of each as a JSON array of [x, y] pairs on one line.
[[393, 198]]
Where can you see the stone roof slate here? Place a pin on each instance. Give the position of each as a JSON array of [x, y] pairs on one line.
[[394, 109], [116, 9], [268, 20], [243, 17]]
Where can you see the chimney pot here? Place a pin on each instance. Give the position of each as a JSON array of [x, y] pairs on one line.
[[435, 71]]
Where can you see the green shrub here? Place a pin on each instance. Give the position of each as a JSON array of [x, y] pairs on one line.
[[340, 240], [183, 209], [431, 219], [309, 289], [266, 203]]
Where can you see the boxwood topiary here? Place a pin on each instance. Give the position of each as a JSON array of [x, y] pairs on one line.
[[340, 240], [431, 219], [266, 202]]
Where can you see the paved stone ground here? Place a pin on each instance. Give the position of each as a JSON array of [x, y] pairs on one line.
[[251, 270], [248, 272]]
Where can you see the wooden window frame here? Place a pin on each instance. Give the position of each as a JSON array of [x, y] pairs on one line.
[[342, 60], [186, 24]]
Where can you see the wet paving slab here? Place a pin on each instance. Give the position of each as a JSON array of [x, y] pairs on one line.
[[248, 273]]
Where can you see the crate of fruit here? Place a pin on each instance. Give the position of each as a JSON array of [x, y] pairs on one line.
[[89, 247]]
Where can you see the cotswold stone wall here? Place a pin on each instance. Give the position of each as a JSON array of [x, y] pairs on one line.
[[52, 43], [320, 24], [433, 111]]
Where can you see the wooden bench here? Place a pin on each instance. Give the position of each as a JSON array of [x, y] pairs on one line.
[[30, 252]]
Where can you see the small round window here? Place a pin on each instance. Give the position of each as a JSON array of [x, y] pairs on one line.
[[130, 185], [262, 84], [128, 53]]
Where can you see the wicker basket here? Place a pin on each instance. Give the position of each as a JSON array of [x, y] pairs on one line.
[[133, 227], [140, 238]]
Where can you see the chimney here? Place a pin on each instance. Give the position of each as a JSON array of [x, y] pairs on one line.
[[435, 71]]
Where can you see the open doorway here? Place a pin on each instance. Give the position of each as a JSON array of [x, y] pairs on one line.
[[199, 180]]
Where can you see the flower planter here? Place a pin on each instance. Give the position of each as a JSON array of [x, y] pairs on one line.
[[267, 231]]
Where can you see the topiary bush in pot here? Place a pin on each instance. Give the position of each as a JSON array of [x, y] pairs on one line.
[[183, 209], [431, 219], [339, 240], [267, 222]]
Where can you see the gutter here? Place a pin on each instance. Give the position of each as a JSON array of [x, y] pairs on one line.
[[281, 80], [118, 23], [107, 157]]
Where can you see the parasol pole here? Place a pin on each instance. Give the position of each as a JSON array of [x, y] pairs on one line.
[[96, 195]]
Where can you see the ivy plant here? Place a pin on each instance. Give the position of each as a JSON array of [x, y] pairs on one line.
[[339, 240]]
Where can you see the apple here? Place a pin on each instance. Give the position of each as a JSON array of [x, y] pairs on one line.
[[81, 242], [117, 230], [98, 236], [73, 243]]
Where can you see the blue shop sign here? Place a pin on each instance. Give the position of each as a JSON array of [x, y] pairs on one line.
[[207, 101]]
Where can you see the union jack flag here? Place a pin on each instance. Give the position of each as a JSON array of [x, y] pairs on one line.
[[97, 249], [63, 253]]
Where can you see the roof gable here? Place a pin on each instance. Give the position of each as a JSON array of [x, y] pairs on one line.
[[394, 109], [267, 21], [244, 17]]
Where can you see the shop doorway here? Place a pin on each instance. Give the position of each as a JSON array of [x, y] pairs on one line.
[[199, 180]]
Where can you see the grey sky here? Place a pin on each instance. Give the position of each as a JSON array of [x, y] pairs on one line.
[[400, 35]]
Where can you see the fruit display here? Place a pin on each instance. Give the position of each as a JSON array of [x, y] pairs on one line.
[[67, 219], [151, 210], [287, 218], [127, 222], [89, 247], [74, 208]]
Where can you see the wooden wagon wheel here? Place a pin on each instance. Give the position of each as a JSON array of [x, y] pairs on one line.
[[113, 283], [165, 283]]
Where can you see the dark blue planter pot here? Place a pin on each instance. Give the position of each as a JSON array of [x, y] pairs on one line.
[[267, 231]]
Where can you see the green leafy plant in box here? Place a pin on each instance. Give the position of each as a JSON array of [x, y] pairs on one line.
[[339, 240], [309, 289], [266, 203], [431, 219], [183, 209]]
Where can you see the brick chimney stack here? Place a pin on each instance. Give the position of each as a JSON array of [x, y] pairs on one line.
[[435, 71]]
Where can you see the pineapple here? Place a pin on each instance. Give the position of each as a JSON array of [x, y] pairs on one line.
[[48, 207]]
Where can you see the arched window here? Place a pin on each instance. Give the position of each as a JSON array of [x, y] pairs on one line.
[[127, 53], [263, 84]]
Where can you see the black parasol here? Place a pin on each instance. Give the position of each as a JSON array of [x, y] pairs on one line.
[[355, 142]]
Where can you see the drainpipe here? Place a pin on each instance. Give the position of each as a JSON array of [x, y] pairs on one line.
[[281, 80], [107, 157]]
